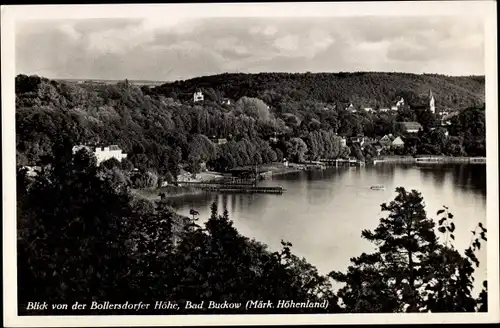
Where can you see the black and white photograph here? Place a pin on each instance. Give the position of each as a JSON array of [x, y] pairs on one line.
[[257, 163]]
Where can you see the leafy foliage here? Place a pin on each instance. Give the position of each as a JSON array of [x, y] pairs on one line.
[[82, 239], [161, 128]]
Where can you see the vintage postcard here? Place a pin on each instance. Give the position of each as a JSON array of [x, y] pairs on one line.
[[270, 163]]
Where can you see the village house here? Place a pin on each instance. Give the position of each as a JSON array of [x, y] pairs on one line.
[[103, 153], [343, 142], [368, 109], [384, 109], [273, 139], [226, 101], [386, 141], [398, 105], [412, 127], [379, 149], [203, 166], [218, 141], [198, 96], [398, 142], [359, 140], [443, 129], [351, 108], [369, 141]]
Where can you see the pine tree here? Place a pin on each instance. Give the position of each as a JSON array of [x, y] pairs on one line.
[[412, 270], [404, 240]]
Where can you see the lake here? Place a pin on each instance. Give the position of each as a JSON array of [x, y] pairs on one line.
[[322, 213]]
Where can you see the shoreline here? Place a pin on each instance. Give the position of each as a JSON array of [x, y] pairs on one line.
[[422, 159], [171, 192]]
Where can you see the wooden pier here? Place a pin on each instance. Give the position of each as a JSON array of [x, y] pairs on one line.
[[342, 162], [242, 187], [216, 183], [430, 160]]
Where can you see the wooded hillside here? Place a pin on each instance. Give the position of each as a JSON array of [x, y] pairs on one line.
[[362, 89], [159, 127]]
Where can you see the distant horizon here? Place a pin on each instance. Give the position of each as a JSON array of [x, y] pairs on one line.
[[234, 73]]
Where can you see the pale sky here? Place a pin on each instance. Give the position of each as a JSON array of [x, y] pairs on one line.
[[166, 49]]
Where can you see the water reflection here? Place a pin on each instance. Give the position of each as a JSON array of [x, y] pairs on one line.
[[323, 212]]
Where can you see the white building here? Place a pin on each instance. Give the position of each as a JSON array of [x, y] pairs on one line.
[[351, 108], [103, 153], [198, 96], [343, 142], [398, 105]]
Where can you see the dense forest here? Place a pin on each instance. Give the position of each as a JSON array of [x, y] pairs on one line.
[[284, 91], [272, 116], [83, 237]]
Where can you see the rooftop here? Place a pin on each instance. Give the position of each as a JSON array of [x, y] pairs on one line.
[[411, 125], [94, 146]]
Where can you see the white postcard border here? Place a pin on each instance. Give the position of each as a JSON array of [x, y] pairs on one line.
[[10, 14]]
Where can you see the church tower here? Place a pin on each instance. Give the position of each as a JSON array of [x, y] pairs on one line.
[[431, 103]]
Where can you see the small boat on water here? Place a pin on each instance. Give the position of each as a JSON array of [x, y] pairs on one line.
[[379, 187]]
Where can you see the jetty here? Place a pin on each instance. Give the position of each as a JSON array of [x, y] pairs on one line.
[[448, 159], [426, 159], [338, 162], [216, 183], [240, 187]]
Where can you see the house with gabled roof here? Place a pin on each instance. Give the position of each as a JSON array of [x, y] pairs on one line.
[[398, 142], [351, 108], [198, 96], [412, 127], [386, 141]]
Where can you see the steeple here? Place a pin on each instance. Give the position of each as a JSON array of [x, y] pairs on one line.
[[432, 107]]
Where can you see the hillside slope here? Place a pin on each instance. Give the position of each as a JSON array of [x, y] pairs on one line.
[[361, 89]]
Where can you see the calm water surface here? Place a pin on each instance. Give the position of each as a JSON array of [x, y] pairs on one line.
[[323, 212]]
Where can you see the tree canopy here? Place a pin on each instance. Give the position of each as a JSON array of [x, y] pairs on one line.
[[82, 236]]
